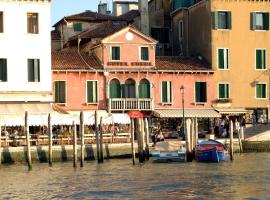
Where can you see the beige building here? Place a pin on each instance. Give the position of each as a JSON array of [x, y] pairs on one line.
[[233, 36]]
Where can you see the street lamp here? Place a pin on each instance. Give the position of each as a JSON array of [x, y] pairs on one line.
[[182, 91]]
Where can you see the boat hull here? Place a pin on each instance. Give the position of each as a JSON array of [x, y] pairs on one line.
[[169, 156], [211, 151]]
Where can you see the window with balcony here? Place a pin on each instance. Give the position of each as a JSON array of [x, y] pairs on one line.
[[115, 53], [77, 27], [144, 53], [222, 20], [32, 23], [60, 92], [166, 92], [92, 91], [261, 91], [223, 91], [144, 89], [3, 70], [1, 22], [200, 92], [33, 70], [260, 59], [129, 89], [259, 21], [115, 89], [223, 58]]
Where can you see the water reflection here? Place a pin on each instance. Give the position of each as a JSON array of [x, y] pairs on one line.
[[248, 177]]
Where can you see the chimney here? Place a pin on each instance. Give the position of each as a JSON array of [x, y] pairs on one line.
[[102, 8], [143, 8]]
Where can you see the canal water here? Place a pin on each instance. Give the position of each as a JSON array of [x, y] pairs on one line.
[[248, 177]]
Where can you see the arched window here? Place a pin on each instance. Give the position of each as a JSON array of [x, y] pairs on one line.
[[144, 89], [115, 88], [129, 89]]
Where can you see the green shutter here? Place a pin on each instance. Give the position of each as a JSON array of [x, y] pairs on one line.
[[197, 92], [258, 59], [229, 20], [30, 70], [3, 69], [144, 90], [170, 92], [164, 92], [264, 59], [56, 92], [266, 20], [221, 59], [258, 91], [227, 91], [90, 95], [204, 92], [77, 27], [36, 70], [215, 20], [221, 91], [253, 21], [117, 53], [115, 90], [62, 92]]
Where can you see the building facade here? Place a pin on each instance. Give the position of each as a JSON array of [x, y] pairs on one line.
[[25, 53], [233, 37]]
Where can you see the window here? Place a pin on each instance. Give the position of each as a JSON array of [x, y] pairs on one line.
[[166, 92], [181, 30], [223, 58], [222, 20], [223, 91], [92, 91], [77, 27], [33, 70], [32, 23], [1, 22], [200, 92], [261, 91], [260, 59], [3, 69], [60, 91], [115, 53], [259, 21], [144, 53]]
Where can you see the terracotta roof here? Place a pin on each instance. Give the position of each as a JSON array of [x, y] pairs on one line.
[[55, 35], [130, 16], [181, 63], [99, 30], [89, 16], [72, 60]]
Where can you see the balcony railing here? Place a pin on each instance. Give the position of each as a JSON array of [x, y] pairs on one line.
[[130, 104]]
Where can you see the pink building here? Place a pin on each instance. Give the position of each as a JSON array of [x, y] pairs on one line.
[[119, 72]]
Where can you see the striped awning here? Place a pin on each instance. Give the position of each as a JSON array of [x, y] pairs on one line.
[[178, 113], [20, 108], [232, 111]]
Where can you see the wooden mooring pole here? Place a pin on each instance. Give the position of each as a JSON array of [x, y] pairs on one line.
[[75, 155], [82, 137], [101, 140], [97, 136], [240, 142], [50, 139], [29, 159], [132, 141], [140, 140], [147, 153], [231, 140]]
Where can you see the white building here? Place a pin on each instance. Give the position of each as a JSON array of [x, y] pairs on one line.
[[25, 51]]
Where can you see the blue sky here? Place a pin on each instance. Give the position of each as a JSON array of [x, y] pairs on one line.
[[61, 8]]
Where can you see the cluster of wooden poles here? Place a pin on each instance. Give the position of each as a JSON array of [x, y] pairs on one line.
[[141, 128]]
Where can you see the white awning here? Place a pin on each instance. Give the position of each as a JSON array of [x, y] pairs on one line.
[[20, 108], [178, 113], [232, 111]]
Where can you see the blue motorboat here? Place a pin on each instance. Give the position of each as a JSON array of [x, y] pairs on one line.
[[211, 151]]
